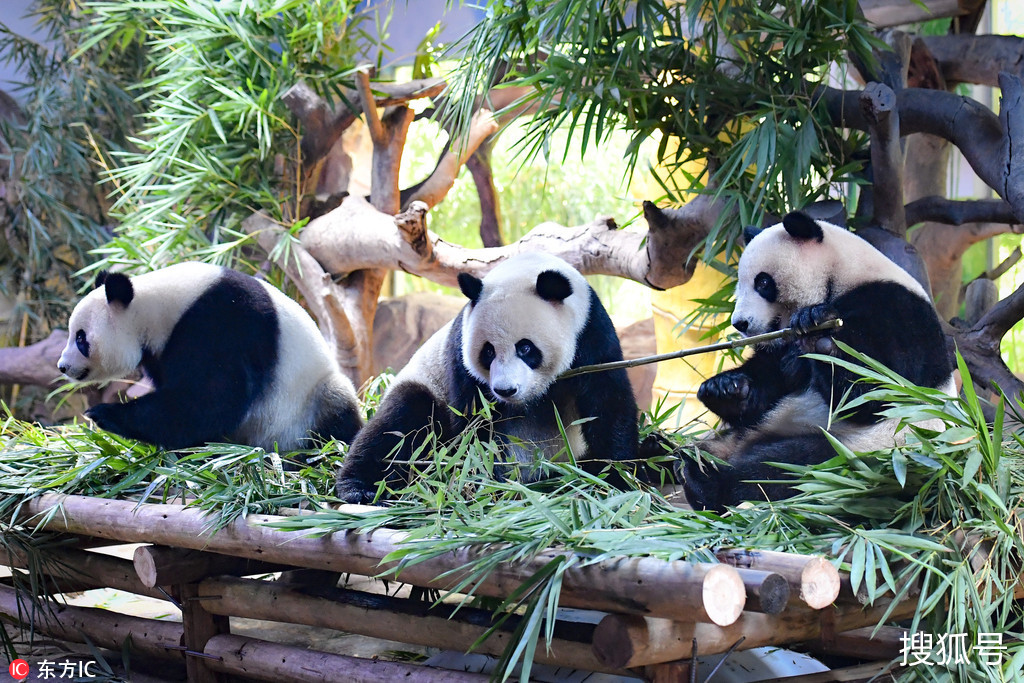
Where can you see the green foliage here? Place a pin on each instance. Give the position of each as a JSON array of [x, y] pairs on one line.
[[73, 111], [216, 142], [733, 82]]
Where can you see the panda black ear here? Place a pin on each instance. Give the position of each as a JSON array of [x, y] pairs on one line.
[[553, 286], [118, 288], [750, 232], [471, 286], [802, 227]]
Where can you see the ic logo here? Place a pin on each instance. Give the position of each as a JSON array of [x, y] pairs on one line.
[[18, 669]]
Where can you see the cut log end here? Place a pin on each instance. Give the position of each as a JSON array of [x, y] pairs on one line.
[[723, 594], [819, 583]]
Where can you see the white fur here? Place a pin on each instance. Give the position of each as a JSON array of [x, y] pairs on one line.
[[510, 310], [118, 336]]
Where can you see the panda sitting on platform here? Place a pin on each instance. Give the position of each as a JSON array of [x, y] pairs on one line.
[[530, 319], [801, 273], [230, 357]]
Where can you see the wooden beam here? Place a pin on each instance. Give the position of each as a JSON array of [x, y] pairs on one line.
[[100, 627], [381, 616], [641, 585], [265, 661], [162, 566]]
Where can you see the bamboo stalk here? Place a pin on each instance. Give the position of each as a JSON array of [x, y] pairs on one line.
[[786, 333], [381, 616], [813, 579], [162, 566], [265, 661], [645, 585], [100, 627]]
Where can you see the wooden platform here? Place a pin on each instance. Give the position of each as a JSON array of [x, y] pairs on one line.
[[647, 613]]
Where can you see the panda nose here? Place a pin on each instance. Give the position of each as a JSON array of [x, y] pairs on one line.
[[63, 368], [507, 392], [741, 325]]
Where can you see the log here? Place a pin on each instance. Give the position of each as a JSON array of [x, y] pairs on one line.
[[199, 626], [82, 567], [643, 585], [162, 566], [381, 616], [629, 640], [265, 661], [767, 592], [886, 642], [98, 627], [813, 579]]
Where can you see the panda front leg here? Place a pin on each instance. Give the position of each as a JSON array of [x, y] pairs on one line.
[[749, 474], [167, 418], [391, 439], [741, 397]]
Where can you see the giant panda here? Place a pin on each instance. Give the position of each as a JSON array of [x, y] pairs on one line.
[[230, 357], [800, 273], [528, 320]]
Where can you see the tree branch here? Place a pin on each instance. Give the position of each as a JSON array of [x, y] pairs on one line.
[[441, 181], [324, 123], [35, 364], [356, 236], [984, 139], [965, 58], [878, 103], [936, 209]]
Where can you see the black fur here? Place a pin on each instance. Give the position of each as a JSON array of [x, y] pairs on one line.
[[117, 287], [553, 286], [882, 320], [410, 409], [471, 286]]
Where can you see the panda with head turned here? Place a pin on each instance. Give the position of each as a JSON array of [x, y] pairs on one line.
[[530, 319], [230, 358], [802, 273]]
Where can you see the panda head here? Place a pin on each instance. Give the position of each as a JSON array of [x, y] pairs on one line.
[[103, 344], [802, 262], [520, 329]]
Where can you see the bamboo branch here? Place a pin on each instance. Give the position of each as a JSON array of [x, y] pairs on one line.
[[786, 334]]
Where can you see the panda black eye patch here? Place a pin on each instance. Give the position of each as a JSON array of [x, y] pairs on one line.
[[529, 353], [487, 355], [82, 343], [764, 285]]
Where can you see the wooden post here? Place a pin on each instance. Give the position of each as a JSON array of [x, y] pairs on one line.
[[813, 579], [199, 627], [162, 566], [382, 616], [640, 585], [265, 661]]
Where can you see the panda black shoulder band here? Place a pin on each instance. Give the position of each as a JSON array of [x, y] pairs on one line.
[[785, 333]]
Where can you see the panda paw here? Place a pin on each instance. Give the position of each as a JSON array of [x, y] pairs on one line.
[[725, 394], [702, 486], [809, 317], [105, 416], [355, 491]]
